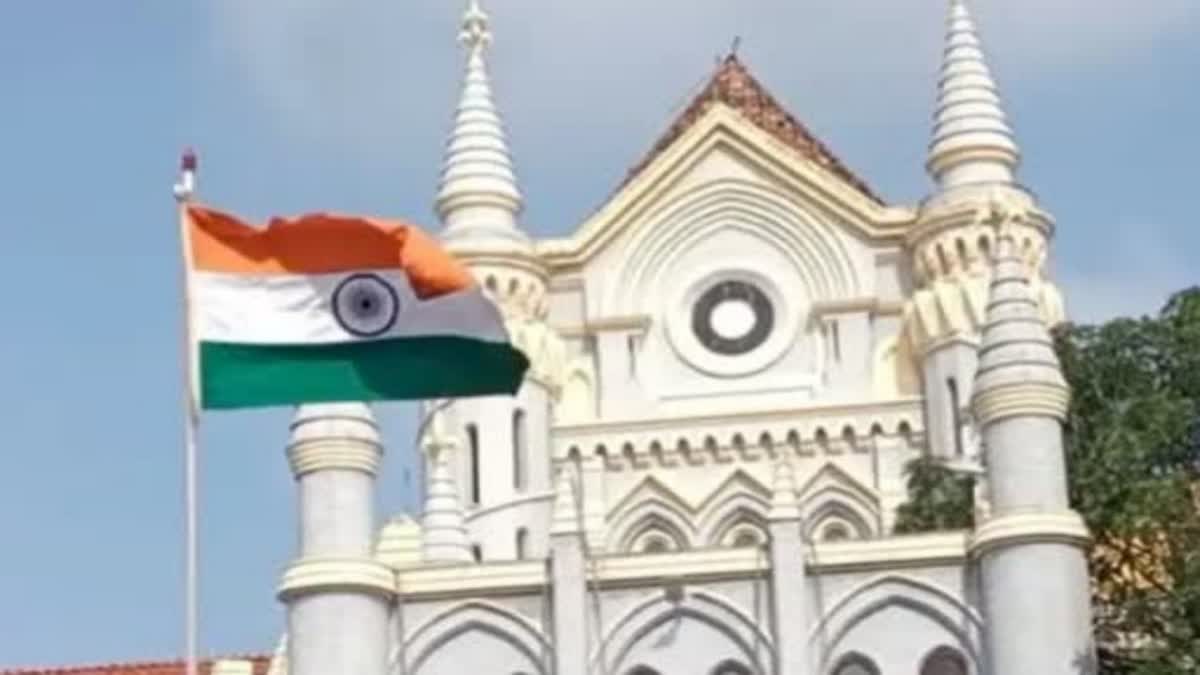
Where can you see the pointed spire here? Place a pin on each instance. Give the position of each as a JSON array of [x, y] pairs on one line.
[[972, 141], [478, 197], [1019, 372], [783, 494], [445, 532], [565, 517]]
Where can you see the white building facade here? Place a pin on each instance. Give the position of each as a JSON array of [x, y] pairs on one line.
[[733, 360]]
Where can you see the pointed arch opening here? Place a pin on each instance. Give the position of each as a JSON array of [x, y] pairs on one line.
[[473, 458], [945, 660], [731, 667], [519, 450], [522, 543], [855, 663]]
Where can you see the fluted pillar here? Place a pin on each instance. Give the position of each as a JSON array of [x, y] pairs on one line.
[[338, 595]]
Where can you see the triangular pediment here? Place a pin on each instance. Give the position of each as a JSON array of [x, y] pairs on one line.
[[734, 86], [734, 124]]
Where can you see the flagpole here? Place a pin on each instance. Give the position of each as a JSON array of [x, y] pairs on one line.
[[184, 190]]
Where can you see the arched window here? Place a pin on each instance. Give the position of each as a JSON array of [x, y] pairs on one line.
[[836, 531], [473, 456], [730, 667], [855, 664], [642, 670], [518, 449], [944, 661], [656, 543], [745, 539], [522, 543], [955, 414]]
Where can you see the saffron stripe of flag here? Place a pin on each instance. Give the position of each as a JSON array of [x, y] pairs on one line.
[[337, 308]]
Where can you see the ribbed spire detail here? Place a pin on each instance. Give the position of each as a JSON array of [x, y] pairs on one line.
[[1018, 370], [783, 494], [972, 141], [565, 518], [445, 532], [478, 197]]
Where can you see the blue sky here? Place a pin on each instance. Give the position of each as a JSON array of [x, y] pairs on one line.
[[300, 105]]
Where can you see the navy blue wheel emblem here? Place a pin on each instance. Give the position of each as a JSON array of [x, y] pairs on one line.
[[365, 305]]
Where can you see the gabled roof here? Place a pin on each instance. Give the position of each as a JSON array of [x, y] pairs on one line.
[[261, 665], [733, 85]]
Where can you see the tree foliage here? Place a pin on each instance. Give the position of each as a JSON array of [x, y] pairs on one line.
[[1132, 442]]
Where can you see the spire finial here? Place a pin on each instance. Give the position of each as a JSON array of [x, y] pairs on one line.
[[185, 188], [972, 141], [476, 31], [478, 199]]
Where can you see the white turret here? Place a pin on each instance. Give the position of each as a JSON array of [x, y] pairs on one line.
[[338, 595], [504, 469], [973, 158], [479, 199], [972, 142], [1032, 547]]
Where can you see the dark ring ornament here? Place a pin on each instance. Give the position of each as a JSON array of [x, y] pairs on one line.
[[365, 305], [760, 305]]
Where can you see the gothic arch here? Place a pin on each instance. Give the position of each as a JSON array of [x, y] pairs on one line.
[[577, 402], [743, 633], [960, 621], [651, 515], [814, 248], [835, 509], [855, 663], [439, 630], [731, 667], [832, 491], [739, 500], [945, 660], [650, 504]]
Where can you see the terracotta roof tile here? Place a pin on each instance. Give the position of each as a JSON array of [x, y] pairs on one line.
[[733, 85], [260, 663]]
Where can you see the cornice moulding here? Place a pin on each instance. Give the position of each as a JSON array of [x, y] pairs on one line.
[[319, 575], [323, 454], [849, 411], [1016, 529]]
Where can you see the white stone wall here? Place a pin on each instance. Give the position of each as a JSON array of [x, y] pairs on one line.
[[698, 611]]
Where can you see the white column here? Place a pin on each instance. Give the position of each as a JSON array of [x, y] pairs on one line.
[[568, 578], [338, 595], [788, 575]]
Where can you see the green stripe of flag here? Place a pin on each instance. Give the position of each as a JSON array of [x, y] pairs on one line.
[[245, 375]]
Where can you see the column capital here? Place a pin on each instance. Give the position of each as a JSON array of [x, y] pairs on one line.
[[1064, 527], [316, 575]]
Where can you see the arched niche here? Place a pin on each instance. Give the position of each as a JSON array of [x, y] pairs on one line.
[[694, 633], [477, 637]]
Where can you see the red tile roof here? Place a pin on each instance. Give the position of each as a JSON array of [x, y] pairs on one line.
[[733, 85], [261, 664]]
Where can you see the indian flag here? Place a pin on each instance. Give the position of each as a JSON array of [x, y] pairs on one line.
[[333, 308]]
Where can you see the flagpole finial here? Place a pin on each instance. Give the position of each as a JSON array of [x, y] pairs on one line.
[[188, 163]]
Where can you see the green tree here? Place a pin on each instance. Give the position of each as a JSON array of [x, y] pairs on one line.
[[1132, 441]]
